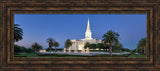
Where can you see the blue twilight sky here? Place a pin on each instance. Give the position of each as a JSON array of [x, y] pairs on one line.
[[39, 27]]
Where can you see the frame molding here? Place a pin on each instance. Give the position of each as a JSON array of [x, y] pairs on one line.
[[9, 8]]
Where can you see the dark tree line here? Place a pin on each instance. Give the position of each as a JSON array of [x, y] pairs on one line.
[[22, 49], [102, 47], [141, 47]]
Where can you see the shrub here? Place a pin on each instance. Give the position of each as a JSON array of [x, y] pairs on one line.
[[131, 52], [19, 48]]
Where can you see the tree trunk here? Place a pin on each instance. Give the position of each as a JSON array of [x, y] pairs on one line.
[[144, 50], [141, 51], [50, 50], [110, 49], [55, 49]]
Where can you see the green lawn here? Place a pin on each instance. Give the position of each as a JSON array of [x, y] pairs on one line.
[[25, 55], [137, 55], [63, 55], [66, 55]]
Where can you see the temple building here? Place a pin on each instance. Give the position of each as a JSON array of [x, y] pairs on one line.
[[78, 44]]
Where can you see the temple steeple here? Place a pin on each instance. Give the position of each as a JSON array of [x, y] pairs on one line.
[[88, 33], [88, 26]]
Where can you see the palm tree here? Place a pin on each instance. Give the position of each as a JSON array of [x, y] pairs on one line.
[[56, 44], [109, 38], [18, 33], [68, 43], [50, 42], [142, 45], [36, 46]]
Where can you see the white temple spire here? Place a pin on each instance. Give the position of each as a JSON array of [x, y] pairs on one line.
[[88, 33], [88, 26]]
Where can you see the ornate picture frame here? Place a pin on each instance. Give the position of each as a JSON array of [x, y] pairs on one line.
[[9, 8]]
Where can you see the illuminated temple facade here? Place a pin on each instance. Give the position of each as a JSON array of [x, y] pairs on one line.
[[78, 44]]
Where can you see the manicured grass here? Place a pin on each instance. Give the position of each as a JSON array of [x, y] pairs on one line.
[[20, 56], [64, 55], [104, 55], [25, 55], [137, 55]]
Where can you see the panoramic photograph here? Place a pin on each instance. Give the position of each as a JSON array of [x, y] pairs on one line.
[[80, 35]]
